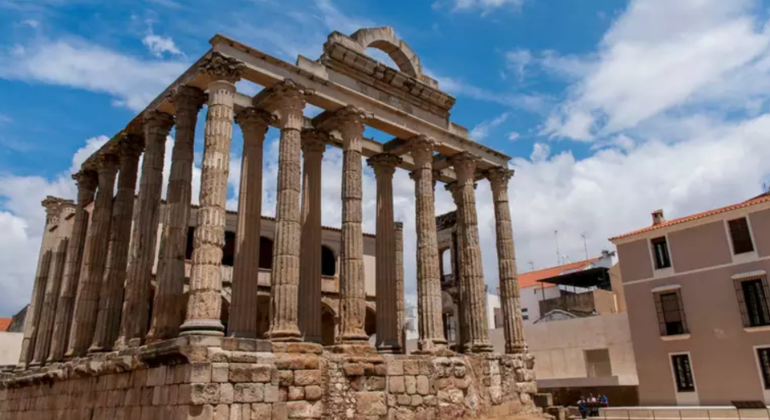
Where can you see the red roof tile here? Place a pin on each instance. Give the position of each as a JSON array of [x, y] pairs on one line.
[[5, 323], [762, 198], [531, 279]]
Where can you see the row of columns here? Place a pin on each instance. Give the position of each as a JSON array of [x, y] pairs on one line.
[[95, 313]]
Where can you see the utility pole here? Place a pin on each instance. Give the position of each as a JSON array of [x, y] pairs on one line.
[[585, 246], [558, 255], [531, 265]]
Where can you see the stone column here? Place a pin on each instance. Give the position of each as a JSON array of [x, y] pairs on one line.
[[52, 208], [429, 303], [168, 306], [463, 314], [86, 182], [254, 123], [133, 322], [205, 301], [513, 325], [313, 147], [350, 123], [388, 340], [398, 238], [111, 294], [53, 285], [475, 302], [94, 259]]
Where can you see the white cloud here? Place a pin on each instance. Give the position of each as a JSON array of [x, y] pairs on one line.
[[486, 6], [700, 52], [518, 60], [540, 152], [482, 129], [132, 82], [158, 45], [513, 136]]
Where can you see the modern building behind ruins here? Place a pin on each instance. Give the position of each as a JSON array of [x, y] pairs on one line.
[[99, 344], [697, 295]]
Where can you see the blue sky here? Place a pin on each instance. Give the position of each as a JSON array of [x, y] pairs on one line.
[[611, 109]]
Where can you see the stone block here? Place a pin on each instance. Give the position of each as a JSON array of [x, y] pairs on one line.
[[284, 377], [226, 393], [204, 394], [200, 412], [173, 394], [248, 393], [404, 400], [185, 393], [307, 377], [442, 383], [273, 394], [410, 382], [396, 384], [220, 372], [313, 392], [430, 400], [261, 412], [461, 383], [156, 376], [371, 404], [416, 400], [426, 366], [304, 410], [279, 411], [353, 369], [222, 412], [528, 387], [296, 393], [395, 367], [160, 395], [459, 370], [375, 383], [248, 372], [423, 385], [243, 357], [411, 367]]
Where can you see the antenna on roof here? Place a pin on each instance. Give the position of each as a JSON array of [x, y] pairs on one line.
[[585, 245], [558, 255], [531, 265]]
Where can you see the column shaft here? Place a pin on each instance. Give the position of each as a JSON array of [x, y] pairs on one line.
[[111, 295], [463, 316], [465, 198], [429, 305], [313, 147], [94, 260], [506, 256], [288, 105], [398, 237], [86, 183], [243, 305], [53, 285], [35, 308], [168, 306], [134, 315], [205, 302], [388, 340]]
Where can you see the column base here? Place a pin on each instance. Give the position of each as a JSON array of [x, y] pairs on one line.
[[389, 349], [212, 327], [355, 349], [120, 344], [284, 336], [97, 349], [482, 348], [433, 347]]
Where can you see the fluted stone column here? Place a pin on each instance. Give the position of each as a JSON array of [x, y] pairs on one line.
[[134, 315], [53, 285], [350, 123], [513, 325], [86, 183], [204, 304], [168, 306], [476, 299], [429, 303], [313, 147], [31, 324], [388, 340], [111, 294], [254, 123], [463, 314], [398, 238], [94, 259]]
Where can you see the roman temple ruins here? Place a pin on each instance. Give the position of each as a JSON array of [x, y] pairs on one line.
[[145, 307]]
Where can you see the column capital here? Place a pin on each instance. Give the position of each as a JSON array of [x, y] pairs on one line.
[[314, 141], [187, 97], [465, 166], [86, 180], [421, 147], [157, 120], [219, 67], [499, 177], [130, 146], [349, 120], [107, 164], [398, 225], [455, 188], [256, 119], [52, 207], [384, 164], [286, 99]]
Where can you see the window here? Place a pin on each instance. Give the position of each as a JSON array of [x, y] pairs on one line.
[[450, 331], [740, 236], [752, 297], [598, 363], [265, 253], [328, 261], [228, 252], [763, 357], [680, 363], [660, 253], [190, 242], [671, 319], [525, 314]]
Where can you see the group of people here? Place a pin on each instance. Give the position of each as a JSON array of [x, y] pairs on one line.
[[589, 407]]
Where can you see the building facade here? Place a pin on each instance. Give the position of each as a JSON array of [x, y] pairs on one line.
[[697, 295]]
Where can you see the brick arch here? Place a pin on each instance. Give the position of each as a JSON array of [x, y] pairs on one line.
[[384, 39]]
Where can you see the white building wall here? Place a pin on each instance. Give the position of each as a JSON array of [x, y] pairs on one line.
[[530, 296]]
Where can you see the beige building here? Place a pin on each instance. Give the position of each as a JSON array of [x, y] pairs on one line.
[[697, 295]]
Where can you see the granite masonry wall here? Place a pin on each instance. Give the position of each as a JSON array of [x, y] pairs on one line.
[[209, 378]]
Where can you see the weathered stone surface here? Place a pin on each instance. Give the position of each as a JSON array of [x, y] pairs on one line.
[[371, 404], [313, 392], [307, 377], [247, 372], [396, 384], [249, 393], [204, 394]]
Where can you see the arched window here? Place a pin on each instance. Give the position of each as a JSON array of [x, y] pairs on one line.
[[328, 261], [265, 253]]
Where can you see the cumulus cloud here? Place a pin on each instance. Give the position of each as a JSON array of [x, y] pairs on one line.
[[159, 45], [132, 82], [482, 129], [486, 6]]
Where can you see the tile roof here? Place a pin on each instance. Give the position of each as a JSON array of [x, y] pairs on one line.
[[762, 198], [5, 323], [531, 279]]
